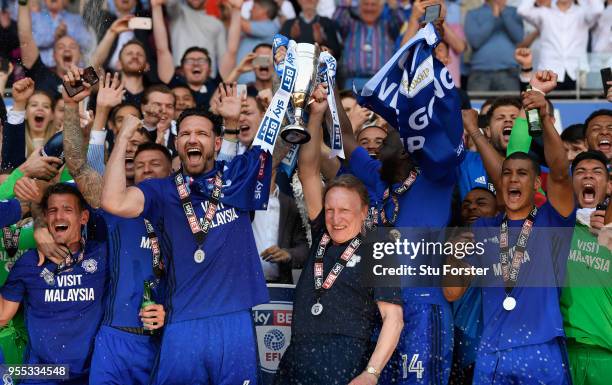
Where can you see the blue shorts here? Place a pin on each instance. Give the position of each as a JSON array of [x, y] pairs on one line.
[[122, 358], [218, 350], [424, 352], [533, 364]]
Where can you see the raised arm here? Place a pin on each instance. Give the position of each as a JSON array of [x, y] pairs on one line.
[[348, 137], [99, 56], [87, 179], [117, 198], [228, 59], [29, 49], [559, 185], [491, 159], [309, 160], [165, 63]]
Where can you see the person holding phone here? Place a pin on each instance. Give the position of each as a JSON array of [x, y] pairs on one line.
[[452, 33]]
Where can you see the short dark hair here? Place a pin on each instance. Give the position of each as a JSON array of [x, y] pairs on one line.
[[152, 146], [133, 42], [573, 133], [349, 182], [519, 155], [270, 6], [115, 110], [63, 189], [591, 154], [262, 45], [347, 94], [162, 88], [196, 49], [214, 119], [503, 101], [595, 114]]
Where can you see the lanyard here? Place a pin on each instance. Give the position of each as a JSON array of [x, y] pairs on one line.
[[320, 285], [394, 194], [199, 232], [157, 262], [10, 240], [70, 260], [511, 268]]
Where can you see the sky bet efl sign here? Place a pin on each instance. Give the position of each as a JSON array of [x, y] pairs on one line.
[[273, 328]]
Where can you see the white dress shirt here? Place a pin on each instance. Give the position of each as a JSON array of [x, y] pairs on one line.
[[602, 33], [265, 229], [563, 34]]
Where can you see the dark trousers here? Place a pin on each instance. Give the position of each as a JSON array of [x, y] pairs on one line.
[[323, 359]]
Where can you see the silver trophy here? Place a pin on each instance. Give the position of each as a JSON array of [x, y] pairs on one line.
[[307, 65]]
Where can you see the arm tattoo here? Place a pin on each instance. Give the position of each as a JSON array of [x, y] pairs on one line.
[[75, 151]]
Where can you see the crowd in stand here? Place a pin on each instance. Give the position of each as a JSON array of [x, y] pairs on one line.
[[151, 176]]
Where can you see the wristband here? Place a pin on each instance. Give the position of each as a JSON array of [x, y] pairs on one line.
[[527, 69], [231, 132], [22, 2]]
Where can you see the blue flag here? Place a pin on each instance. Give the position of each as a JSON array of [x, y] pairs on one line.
[[416, 95]]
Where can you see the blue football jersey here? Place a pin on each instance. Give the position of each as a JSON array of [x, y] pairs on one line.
[[230, 277], [63, 311], [536, 318], [471, 173], [427, 204], [130, 262]]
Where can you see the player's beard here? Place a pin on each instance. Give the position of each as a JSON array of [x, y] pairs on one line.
[[203, 165]]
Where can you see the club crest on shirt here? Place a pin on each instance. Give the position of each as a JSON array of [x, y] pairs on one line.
[[355, 259], [90, 265], [48, 276]]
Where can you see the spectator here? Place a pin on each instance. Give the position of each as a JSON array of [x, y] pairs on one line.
[[29, 123], [262, 67], [493, 31], [258, 29], [368, 38], [196, 61], [573, 140], [66, 52], [309, 27], [133, 64], [285, 10], [54, 22], [564, 33], [190, 26], [452, 31], [102, 22], [158, 111], [9, 41], [598, 131], [184, 100], [602, 33]]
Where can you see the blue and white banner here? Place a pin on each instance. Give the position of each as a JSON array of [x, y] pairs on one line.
[[416, 95], [271, 124]]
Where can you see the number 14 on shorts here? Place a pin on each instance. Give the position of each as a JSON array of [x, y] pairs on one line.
[[415, 366]]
